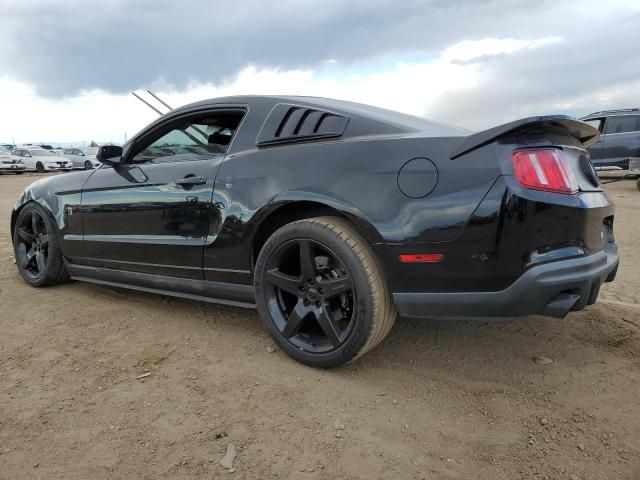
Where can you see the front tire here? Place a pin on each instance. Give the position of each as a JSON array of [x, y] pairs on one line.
[[88, 165], [37, 249], [39, 167], [320, 292]]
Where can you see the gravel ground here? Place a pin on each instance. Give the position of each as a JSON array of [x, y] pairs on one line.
[[437, 400]]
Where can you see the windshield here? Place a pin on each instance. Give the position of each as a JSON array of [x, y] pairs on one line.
[[4, 151], [41, 152]]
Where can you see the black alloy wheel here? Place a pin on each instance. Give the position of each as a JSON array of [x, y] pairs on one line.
[[88, 165], [36, 245], [32, 247], [40, 167], [311, 296], [320, 292]]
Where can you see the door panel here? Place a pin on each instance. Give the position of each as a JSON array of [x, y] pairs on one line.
[[618, 148], [140, 218], [595, 151], [622, 141]]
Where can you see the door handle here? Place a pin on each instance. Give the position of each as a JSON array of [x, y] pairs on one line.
[[191, 181]]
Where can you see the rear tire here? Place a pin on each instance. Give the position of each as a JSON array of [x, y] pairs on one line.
[[341, 313], [88, 165], [37, 247], [39, 167]]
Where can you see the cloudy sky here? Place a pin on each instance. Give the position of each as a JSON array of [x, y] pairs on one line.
[[67, 66]]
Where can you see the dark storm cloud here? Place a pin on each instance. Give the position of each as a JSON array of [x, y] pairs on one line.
[[62, 47], [573, 72]]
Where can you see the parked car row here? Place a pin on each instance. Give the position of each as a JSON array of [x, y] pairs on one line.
[[17, 159], [40, 159]]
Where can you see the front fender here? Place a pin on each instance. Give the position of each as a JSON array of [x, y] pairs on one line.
[[60, 196]]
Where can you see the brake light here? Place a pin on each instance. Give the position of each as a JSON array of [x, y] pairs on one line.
[[422, 258], [544, 169]]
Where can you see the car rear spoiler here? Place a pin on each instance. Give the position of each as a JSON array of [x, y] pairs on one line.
[[560, 124]]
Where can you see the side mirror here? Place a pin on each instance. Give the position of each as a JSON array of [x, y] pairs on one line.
[[109, 155]]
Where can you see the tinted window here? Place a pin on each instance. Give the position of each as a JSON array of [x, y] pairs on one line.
[[202, 138], [624, 124], [596, 123], [67, 151]]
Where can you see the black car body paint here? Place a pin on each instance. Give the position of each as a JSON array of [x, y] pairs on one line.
[[134, 225]]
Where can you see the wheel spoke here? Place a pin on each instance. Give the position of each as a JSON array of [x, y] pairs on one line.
[[294, 321], [44, 241], [328, 325], [283, 281], [307, 260], [336, 286], [21, 254], [24, 235], [35, 227], [40, 261], [28, 258]]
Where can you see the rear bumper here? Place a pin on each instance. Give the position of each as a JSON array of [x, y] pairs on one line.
[[552, 289]]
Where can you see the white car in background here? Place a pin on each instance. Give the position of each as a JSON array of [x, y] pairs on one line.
[[8, 164], [39, 159], [82, 157]]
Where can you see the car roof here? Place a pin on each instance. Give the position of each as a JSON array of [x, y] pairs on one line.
[[34, 149], [342, 106], [605, 113]]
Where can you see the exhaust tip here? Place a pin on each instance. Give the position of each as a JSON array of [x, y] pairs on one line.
[[560, 305]]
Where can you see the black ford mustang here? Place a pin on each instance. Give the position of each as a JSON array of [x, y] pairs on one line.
[[330, 217]]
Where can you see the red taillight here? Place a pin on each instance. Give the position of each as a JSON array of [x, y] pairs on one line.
[[544, 169], [422, 258]]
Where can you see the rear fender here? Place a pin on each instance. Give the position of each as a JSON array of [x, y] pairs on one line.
[[356, 216]]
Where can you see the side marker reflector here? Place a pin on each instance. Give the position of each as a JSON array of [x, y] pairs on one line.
[[422, 258]]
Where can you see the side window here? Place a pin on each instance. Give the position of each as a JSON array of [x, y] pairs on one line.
[[596, 123], [623, 124], [67, 151], [26, 153], [197, 138]]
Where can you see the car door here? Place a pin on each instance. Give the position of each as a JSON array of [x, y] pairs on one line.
[[152, 213], [69, 153], [595, 149], [622, 141]]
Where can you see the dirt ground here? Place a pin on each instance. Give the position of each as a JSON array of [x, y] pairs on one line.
[[437, 400]]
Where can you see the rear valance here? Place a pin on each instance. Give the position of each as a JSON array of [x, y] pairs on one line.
[[560, 124]]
